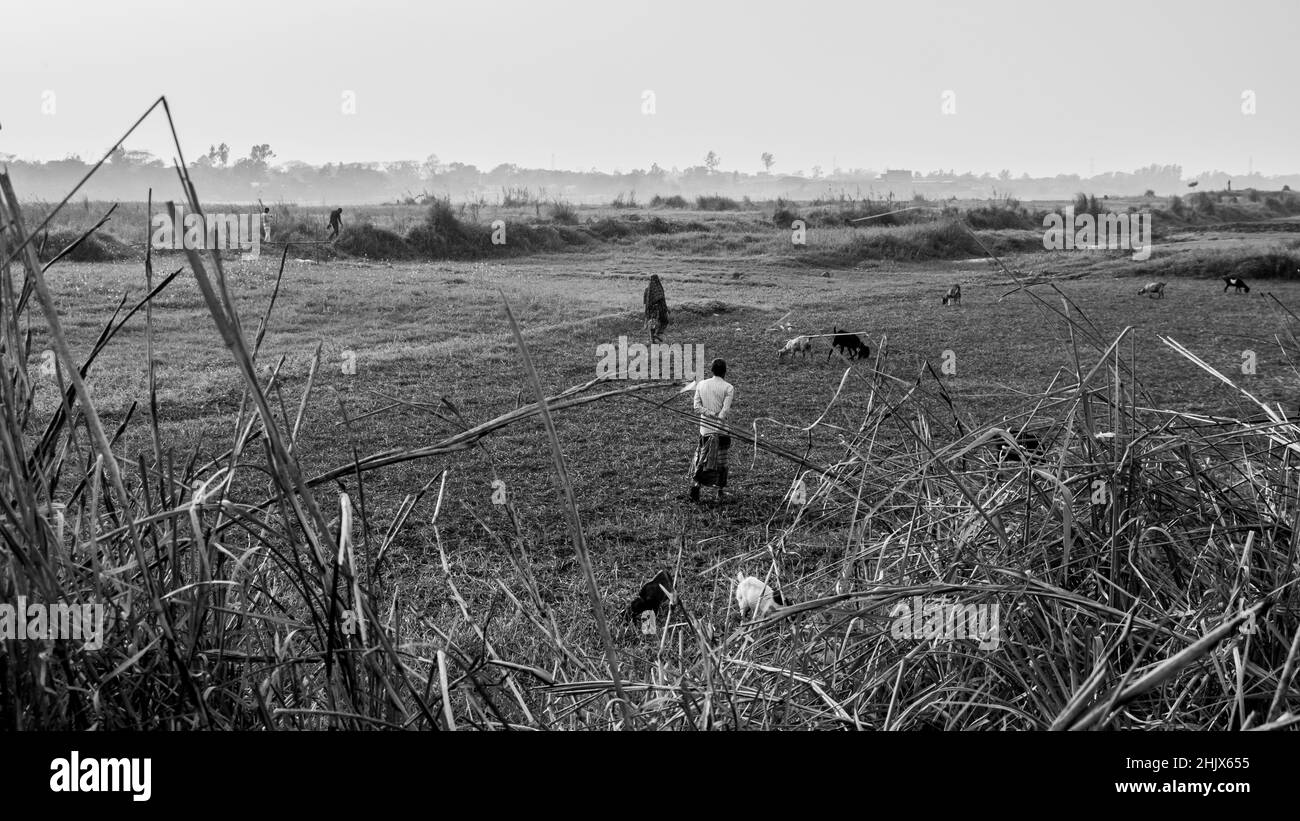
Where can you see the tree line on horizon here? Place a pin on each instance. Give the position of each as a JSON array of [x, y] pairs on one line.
[[128, 175]]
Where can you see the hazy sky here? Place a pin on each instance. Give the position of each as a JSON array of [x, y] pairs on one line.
[[1038, 87]]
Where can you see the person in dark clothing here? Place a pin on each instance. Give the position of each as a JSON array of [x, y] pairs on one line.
[[336, 222]]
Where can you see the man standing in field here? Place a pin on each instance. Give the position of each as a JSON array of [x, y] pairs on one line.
[[336, 222], [713, 400]]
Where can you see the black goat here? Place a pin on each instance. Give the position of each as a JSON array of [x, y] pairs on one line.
[[1237, 283], [848, 344]]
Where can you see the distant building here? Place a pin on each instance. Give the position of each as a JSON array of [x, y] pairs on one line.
[[897, 181]]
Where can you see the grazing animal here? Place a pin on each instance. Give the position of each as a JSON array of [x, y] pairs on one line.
[[1236, 283], [848, 344], [752, 596], [1155, 289], [652, 596], [801, 344], [656, 308], [953, 297]]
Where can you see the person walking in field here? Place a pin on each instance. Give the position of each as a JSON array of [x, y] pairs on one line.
[[713, 401], [336, 222], [656, 308]]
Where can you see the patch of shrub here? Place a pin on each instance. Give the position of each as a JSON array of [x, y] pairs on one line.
[[716, 202], [98, 247], [1007, 213], [365, 240], [935, 240], [609, 228], [514, 197], [563, 213], [444, 236], [784, 213], [1273, 263], [674, 201]]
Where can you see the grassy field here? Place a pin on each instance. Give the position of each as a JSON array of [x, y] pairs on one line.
[[434, 355]]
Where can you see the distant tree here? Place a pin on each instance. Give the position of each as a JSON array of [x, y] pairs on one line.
[[768, 161], [223, 153], [712, 160], [260, 153], [118, 156], [1004, 174], [143, 158], [431, 165], [816, 171], [656, 171]]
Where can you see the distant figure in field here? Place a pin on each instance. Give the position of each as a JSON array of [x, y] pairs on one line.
[[713, 400], [267, 219], [336, 222], [656, 308]]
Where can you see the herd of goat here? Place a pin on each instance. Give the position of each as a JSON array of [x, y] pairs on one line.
[[754, 597], [853, 346]]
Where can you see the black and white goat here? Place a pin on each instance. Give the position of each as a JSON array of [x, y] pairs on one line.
[[953, 297], [653, 596], [1236, 283], [755, 597]]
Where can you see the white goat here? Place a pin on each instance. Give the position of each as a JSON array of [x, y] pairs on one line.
[[752, 596], [800, 344], [1155, 289]]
